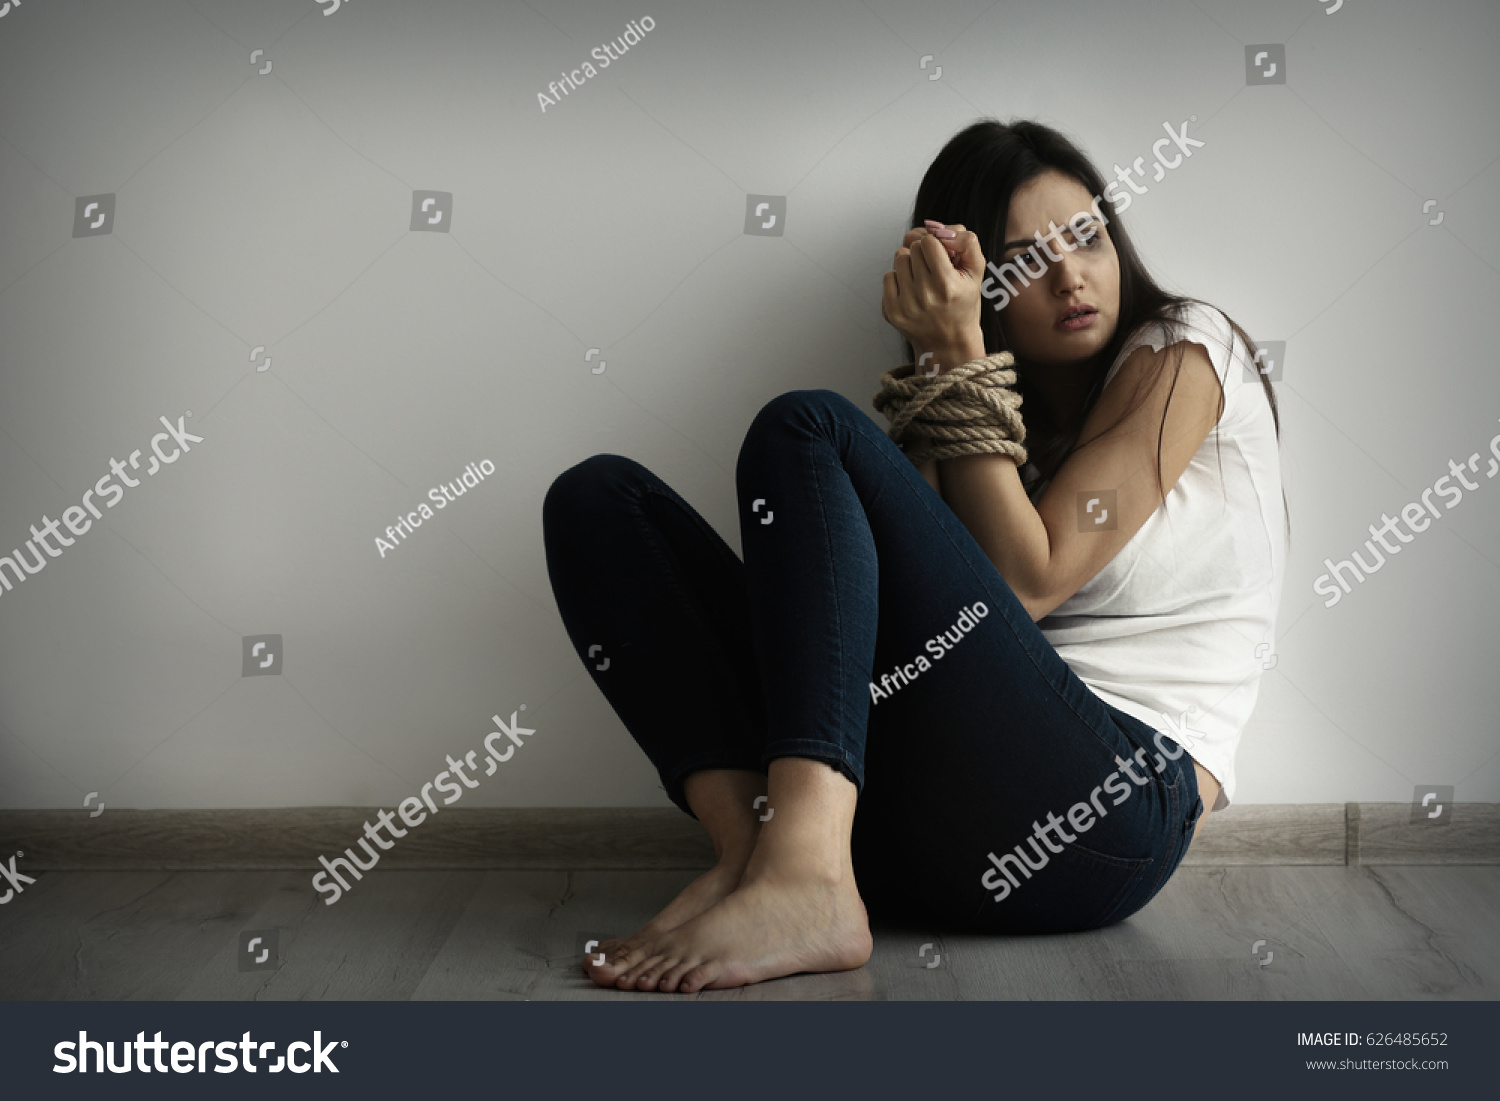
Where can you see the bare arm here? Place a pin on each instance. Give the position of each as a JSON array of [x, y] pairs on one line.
[[1046, 552], [929, 470], [1049, 550]]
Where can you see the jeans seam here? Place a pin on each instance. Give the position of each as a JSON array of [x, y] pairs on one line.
[[1174, 800], [838, 611], [799, 747]]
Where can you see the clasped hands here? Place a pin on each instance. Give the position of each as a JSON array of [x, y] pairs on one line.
[[954, 400]]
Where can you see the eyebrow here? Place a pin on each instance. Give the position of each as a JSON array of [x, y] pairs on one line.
[[1027, 241]]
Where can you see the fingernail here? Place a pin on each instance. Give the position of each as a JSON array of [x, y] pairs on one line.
[[939, 230]]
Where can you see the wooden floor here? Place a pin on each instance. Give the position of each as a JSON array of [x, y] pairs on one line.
[[1412, 932]]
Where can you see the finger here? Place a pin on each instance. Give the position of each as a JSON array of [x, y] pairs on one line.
[[926, 256], [955, 243], [912, 237], [947, 236], [950, 245], [903, 268], [951, 250], [968, 256], [888, 297]]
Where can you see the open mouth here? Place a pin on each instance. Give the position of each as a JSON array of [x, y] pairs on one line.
[[1080, 318]]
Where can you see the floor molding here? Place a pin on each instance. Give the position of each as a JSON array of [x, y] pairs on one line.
[[664, 838]]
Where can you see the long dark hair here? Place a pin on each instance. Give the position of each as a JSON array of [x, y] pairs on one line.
[[971, 183]]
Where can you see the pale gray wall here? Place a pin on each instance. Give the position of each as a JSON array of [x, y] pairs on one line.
[[275, 210]]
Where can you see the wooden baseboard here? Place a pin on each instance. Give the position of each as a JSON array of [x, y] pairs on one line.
[[1387, 835], [521, 838], [650, 837], [1271, 833]]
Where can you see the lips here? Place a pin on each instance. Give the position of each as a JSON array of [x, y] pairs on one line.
[[1078, 318]]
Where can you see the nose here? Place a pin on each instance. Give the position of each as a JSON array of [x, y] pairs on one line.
[[1067, 275]]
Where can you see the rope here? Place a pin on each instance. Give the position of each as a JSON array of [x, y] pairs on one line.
[[970, 410]]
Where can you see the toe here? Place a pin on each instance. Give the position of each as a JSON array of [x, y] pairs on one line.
[[696, 978], [630, 980], [652, 978], [599, 957], [671, 979], [620, 960], [607, 975]]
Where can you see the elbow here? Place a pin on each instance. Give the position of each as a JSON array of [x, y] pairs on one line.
[[1039, 600], [1035, 609], [1037, 605]]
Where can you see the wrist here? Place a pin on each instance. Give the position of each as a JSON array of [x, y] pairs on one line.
[[944, 357]]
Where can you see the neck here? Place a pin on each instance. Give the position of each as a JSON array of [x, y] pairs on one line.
[[1061, 389]]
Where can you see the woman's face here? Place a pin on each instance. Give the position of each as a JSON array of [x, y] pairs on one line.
[[1036, 320]]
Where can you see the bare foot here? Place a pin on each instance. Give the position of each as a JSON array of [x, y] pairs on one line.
[[726, 801], [778, 922], [696, 897]]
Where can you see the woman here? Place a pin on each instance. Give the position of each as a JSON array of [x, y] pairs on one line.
[[1077, 622]]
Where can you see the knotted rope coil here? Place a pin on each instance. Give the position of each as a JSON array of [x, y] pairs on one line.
[[970, 410]]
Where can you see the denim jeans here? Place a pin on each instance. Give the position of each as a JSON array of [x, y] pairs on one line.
[[853, 566]]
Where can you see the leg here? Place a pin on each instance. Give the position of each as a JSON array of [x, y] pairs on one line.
[[654, 602], [894, 652], [796, 907], [723, 800]]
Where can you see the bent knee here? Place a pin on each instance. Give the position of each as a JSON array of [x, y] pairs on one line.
[[586, 484], [794, 405]]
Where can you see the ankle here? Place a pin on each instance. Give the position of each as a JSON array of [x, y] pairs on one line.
[[734, 849], [800, 864]]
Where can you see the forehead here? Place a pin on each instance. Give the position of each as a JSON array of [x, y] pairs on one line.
[[1051, 196]]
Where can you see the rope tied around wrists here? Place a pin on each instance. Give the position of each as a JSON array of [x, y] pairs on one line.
[[970, 410]]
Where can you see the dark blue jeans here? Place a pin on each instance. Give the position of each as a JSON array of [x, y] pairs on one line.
[[867, 629]]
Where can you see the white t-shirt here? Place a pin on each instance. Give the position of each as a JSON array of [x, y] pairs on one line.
[[1177, 628]]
